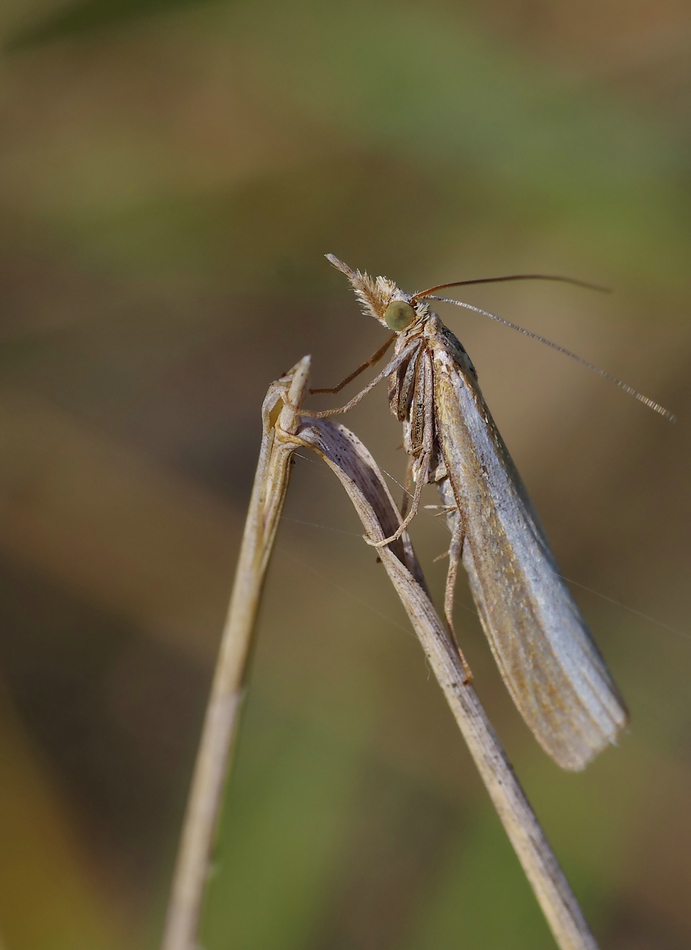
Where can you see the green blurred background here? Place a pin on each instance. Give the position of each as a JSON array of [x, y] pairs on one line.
[[171, 174]]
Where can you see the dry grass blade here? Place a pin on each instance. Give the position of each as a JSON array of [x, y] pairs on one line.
[[268, 494]]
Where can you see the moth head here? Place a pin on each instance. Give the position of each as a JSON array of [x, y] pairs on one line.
[[379, 297]]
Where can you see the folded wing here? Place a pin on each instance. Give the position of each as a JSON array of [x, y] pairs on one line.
[[544, 650]]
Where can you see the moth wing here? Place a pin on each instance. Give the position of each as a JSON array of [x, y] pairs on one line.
[[544, 650]]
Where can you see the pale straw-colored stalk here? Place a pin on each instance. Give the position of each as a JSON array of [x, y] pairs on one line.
[[347, 457], [228, 687]]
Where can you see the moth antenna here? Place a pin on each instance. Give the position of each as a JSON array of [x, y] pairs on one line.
[[650, 403], [498, 280]]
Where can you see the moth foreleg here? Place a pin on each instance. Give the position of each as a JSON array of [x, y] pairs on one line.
[[390, 367], [372, 361]]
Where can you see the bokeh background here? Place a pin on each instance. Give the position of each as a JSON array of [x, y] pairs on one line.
[[171, 174]]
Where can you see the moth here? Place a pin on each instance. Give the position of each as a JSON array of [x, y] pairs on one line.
[[543, 648]]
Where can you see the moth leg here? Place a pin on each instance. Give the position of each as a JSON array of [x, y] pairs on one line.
[[415, 504], [443, 511], [407, 494], [372, 361], [455, 552], [390, 367], [426, 450]]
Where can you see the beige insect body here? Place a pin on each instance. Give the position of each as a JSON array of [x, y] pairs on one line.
[[544, 650]]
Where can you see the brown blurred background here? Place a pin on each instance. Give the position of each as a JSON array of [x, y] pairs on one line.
[[171, 173]]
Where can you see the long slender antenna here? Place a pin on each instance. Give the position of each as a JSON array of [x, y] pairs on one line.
[[650, 403], [498, 280]]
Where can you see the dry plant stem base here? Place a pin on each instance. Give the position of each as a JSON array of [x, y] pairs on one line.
[[227, 690], [359, 474]]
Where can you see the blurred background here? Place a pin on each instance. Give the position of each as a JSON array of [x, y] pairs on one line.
[[171, 174]]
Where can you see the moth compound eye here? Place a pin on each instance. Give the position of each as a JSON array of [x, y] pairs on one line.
[[399, 315]]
